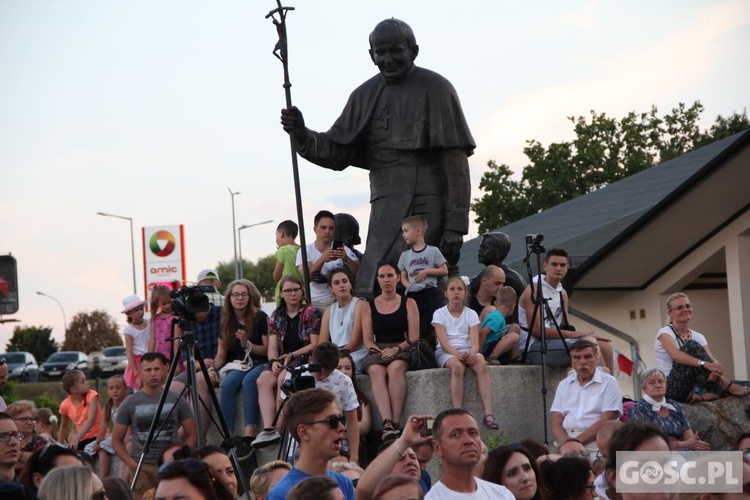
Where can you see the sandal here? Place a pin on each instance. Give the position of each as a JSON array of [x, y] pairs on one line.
[[490, 422], [493, 361], [741, 394]]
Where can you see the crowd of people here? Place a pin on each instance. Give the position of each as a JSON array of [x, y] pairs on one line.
[[337, 339]]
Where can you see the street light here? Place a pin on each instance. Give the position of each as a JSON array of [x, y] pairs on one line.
[[234, 236], [245, 226], [132, 242], [65, 321]]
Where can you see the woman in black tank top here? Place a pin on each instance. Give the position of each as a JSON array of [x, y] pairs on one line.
[[390, 324]]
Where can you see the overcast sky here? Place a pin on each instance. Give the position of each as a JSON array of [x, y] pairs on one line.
[[151, 110]]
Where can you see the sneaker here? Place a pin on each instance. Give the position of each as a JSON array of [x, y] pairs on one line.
[[390, 430], [268, 437], [245, 449]]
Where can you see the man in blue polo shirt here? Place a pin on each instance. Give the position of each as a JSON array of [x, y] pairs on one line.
[[314, 419]]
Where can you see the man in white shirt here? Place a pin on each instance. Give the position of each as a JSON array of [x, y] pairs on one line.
[[459, 446], [555, 316], [329, 378], [585, 399], [322, 258]]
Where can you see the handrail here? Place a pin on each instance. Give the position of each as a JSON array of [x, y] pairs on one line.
[[620, 335]]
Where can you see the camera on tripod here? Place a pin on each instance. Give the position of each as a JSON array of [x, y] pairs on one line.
[[534, 243], [190, 300], [300, 382]]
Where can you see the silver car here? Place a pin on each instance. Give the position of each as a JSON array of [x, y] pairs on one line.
[[21, 366], [116, 360]]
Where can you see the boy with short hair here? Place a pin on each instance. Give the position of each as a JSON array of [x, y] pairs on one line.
[[499, 345], [286, 255], [421, 266]]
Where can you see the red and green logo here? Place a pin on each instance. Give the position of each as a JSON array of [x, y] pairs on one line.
[[162, 237]]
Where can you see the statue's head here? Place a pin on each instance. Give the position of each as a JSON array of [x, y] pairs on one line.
[[493, 248], [347, 230], [393, 49]]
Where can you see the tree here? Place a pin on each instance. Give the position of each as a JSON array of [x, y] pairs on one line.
[[34, 339], [604, 150], [260, 273], [91, 331]]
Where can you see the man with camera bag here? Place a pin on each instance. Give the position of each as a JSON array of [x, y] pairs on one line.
[[557, 329], [325, 359]]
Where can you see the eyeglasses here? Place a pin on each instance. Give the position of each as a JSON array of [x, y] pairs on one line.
[[99, 495], [687, 306], [26, 420], [5, 436], [292, 290], [577, 453], [333, 421], [190, 466], [240, 295]]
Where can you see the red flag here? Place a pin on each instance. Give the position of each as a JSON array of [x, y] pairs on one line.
[[624, 364]]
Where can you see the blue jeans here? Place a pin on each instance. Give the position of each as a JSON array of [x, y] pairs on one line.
[[235, 380]]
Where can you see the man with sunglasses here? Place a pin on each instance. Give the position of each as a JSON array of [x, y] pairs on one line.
[[313, 419], [3, 380], [10, 448]]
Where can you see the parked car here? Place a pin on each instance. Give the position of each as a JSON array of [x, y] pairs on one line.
[[116, 359], [21, 366], [61, 362]]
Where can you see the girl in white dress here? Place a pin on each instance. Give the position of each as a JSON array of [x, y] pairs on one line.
[[457, 331]]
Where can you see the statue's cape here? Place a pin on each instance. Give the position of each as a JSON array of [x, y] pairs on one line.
[[426, 114]]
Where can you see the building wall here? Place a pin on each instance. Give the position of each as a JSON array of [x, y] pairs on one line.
[[641, 313]]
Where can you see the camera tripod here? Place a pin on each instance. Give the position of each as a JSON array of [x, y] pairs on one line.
[[192, 354], [542, 309]]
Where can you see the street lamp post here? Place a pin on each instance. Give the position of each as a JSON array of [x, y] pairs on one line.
[[132, 242], [239, 231], [234, 236], [65, 320]]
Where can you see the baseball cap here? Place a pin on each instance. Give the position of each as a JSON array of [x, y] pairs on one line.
[[208, 274]]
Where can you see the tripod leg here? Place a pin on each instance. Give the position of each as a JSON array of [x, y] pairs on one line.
[[222, 424]]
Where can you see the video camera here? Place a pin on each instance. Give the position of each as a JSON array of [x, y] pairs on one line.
[[190, 300], [300, 382]]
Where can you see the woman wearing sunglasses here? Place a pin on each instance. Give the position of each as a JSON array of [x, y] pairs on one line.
[[693, 372], [189, 479]]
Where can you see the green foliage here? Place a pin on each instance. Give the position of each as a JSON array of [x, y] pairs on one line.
[[44, 400], [260, 273], [34, 339], [604, 150], [91, 331], [10, 392], [494, 440]]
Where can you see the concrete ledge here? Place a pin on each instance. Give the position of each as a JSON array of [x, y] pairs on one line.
[[516, 399]]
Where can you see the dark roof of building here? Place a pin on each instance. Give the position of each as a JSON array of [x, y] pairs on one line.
[[591, 226]]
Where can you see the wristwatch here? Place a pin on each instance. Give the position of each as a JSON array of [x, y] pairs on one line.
[[701, 363]]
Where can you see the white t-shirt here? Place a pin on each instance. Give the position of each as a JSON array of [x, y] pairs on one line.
[[555, 305], [140, 337], [320, 291], [456, 329], [485, 491], [663, 359], [340, 385]]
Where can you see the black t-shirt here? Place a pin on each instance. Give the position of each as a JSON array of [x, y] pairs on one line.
[[260, 329]]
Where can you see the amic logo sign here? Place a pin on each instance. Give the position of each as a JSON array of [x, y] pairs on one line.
[[162, 243]]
